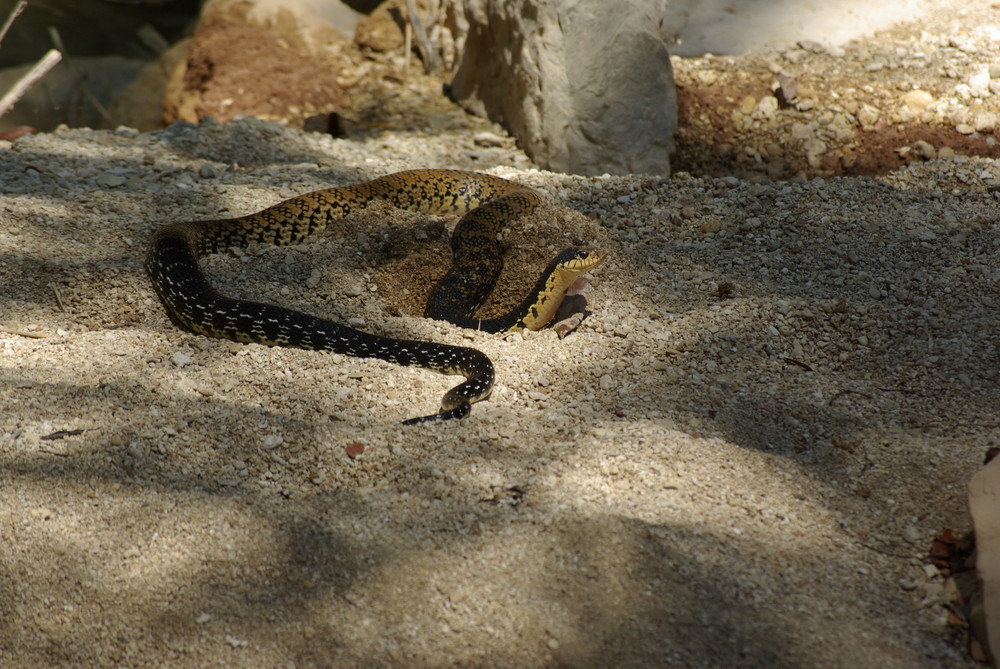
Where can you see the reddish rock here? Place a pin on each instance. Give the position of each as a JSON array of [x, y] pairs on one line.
[[235, 69]]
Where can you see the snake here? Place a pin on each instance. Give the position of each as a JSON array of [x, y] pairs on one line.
[[486, 203]]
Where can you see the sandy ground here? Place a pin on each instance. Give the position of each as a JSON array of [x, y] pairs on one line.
[[740, 458], [703, 474]]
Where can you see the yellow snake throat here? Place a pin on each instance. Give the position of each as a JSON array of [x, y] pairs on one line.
[[487, 203]]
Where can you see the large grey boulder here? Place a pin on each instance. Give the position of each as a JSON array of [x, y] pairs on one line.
[[584, 85]]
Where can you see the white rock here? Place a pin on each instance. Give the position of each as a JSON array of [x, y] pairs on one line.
[[766, 107], [868, 115], [814, 149], [487, 139], [918, 99], [314, 278], [180, 358], [235, 642], [979, 83], [272, 441], [984, 121]]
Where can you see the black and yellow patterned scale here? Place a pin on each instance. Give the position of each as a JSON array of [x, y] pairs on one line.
[[487, 203]]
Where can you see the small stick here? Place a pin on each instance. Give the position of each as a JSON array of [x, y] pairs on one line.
[[41, 68], [847, 392], [10, 19], [21, 333], [407, 45], [55, 291], [798, 363]]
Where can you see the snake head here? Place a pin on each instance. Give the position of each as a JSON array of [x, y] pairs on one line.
[[574, 261], [584, 258]]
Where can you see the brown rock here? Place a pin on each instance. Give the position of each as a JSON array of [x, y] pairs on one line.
[[239, 69], [383, 29]]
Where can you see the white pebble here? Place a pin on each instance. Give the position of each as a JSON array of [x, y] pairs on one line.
[[979, 83], [235, 642], [272, 441], [180, 358], [313, 279]]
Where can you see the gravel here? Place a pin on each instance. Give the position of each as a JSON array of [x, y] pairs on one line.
[[739, 458], [863, 108]]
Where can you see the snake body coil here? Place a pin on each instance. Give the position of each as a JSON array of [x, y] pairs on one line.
[[487, 203]]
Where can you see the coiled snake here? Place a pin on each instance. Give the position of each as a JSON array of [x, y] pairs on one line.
[[487, 203]]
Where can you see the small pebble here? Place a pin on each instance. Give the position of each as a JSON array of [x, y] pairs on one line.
[[918, 99], [487, 139], [180, 358], [208, 171], [272, 441], [110, 180], [314, 278]]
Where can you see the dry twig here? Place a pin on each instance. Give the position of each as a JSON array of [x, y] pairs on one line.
[[41, 68], [10, 19], [22, 333]]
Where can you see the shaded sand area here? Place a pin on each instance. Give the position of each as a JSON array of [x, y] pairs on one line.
[[739, 458]]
